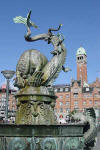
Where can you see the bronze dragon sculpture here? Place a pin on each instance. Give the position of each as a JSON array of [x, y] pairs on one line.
[[90, 130], [33, 68], [35, 76]]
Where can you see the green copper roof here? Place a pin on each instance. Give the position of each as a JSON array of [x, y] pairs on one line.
[[81, 51]]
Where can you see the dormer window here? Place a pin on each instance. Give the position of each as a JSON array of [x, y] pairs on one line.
[[87, 89], [61, 89], [66, 89]]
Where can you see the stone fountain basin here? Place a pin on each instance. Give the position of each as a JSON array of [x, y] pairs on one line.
[[41, 137]]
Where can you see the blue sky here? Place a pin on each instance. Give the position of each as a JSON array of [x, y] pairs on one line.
[[81, 26]]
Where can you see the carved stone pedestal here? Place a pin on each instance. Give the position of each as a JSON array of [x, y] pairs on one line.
[[35, 106]]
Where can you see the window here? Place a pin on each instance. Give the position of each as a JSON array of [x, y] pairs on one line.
[[96, 95], [61, 109], [90, 102], [89, 95], [3, 99], [66, 89], [67, 109], [96, 102], [61, 89], [3, 104], [75, 95], [76, 103], [61, 103], [61, 96], [3, 96], [67, 96], [76, 108], [87, 89], [84, 102], [2, 112], [67, 103], [3, 107], [85, 95]]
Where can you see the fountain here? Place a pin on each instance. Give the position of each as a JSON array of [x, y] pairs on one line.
[[35, 127]]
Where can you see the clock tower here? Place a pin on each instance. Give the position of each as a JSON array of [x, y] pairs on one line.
[[81, 59]]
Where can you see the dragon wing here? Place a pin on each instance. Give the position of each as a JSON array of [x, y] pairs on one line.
[[26, 21], [20, 19]]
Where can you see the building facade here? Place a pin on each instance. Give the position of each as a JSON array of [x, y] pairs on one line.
[[11, 104], [79, 94]]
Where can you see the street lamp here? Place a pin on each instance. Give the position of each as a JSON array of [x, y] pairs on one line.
[[8, 74]]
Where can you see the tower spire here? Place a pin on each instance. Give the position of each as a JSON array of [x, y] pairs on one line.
[[81, 59]]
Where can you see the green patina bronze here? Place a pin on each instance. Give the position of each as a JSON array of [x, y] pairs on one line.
[[41, 137], [36, 99], [36, 127], [35, 76], [26, 21], [35, 106]]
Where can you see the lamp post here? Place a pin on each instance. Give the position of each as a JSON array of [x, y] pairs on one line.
[[8, 74]]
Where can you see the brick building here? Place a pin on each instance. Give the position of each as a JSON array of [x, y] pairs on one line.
[[79, 94], [11, 104]]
